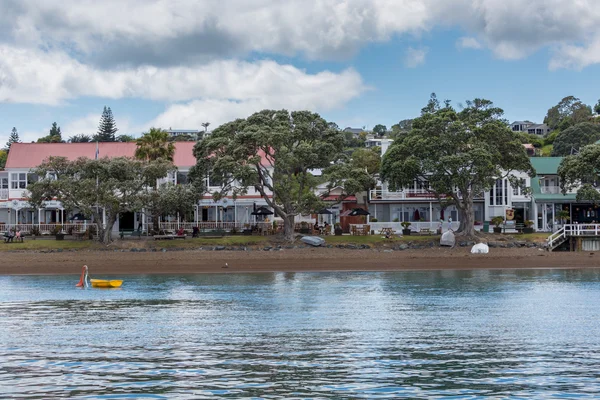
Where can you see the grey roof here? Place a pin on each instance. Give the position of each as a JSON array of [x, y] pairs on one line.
[[522, 123], [538, 126], [353, 130]]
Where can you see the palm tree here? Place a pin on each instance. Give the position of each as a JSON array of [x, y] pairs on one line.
[[205, 125], [153, 145]]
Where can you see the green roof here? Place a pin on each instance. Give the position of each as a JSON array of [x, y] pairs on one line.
[[546, 165]]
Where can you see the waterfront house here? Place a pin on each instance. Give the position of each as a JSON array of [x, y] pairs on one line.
[[25, 157]]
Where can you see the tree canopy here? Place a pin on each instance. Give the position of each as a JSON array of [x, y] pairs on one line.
[[366, 159], [54, 136], [568, 112], [114, 184], [3, 157], [572, 139], [597, 107], [154, 145], [581, 172], [459, 154], [275, 151], [81, 138], [14, 138], [380, 130], [107, 128]]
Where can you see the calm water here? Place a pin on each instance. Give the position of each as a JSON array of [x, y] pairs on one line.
[[466, 334]]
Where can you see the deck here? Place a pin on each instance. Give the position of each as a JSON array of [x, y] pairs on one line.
[[569, 231]]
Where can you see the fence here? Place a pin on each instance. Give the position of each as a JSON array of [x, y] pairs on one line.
[[210, 226], [45, 229]]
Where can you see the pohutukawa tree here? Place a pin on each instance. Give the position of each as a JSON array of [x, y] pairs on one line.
[[114, 185], [275, 152], [460, 154], [582, 172]]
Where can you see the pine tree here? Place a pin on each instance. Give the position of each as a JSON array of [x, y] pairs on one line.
[[107, 127], [14, 138], [54, 136]]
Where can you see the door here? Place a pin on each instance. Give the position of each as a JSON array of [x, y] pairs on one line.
[[127, 221]]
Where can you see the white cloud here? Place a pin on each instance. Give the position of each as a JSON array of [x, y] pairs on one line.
[[185, 32], [415, 57], [466, 42], [31, 76]]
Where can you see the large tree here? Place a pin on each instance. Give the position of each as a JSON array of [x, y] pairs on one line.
[[54, 136], [582, 172], [367, 159], [14, 138], [155, 144], [114, 185], [276, 152], [597, 108], [380, 130], [460, 154], [568, 112], [107, 128], [570, 140]]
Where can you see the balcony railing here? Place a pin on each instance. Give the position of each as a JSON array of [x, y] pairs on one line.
[[407, 194], [550, 189]]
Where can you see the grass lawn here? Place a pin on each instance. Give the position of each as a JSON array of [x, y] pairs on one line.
[[205, 241], [49, 245], [377, 239]]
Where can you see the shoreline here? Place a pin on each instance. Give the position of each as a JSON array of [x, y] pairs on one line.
[[293, 260]]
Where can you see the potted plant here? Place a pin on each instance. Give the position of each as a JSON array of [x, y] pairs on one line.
[[563, 216], [528, 226], [337, 229], [406, 228], [497, 221]]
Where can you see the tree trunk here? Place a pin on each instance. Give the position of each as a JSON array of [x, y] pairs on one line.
[[467, 223], [288, 227], [105, 234]]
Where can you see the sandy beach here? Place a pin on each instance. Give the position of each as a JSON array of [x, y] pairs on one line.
[[297, 260]]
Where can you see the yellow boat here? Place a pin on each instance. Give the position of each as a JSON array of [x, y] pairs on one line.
[[102, 283]]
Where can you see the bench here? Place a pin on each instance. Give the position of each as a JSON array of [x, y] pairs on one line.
[[425, 231], [122, 234], [10, 238]]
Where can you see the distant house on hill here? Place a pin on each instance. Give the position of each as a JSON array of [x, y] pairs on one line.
[[354, 131], [183, 132], [530, 127]]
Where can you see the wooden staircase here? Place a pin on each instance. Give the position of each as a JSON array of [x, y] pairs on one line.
[[571, 230]]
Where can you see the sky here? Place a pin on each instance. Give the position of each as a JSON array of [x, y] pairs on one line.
[[179, 63]]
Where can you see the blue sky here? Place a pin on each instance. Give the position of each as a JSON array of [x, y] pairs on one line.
[[356, 62]]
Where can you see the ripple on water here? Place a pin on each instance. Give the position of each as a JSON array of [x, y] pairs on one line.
[[466, 334]]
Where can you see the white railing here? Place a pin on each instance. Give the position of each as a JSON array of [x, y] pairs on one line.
[[211, 225], [409, 194], [3, 194], [550, 189], [573, 230], [45, 229]]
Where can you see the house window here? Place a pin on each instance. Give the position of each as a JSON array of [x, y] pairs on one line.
[[498, 194], [182, 178], [4, 183], [518, 190], [18, 181]]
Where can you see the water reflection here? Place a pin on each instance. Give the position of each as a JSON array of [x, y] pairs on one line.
[[284, 335]]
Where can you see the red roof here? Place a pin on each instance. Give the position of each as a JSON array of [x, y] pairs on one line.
[[30, 155]]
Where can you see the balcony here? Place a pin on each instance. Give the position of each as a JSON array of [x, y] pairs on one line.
[[550, 189], [401, 195], [407, 194]]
